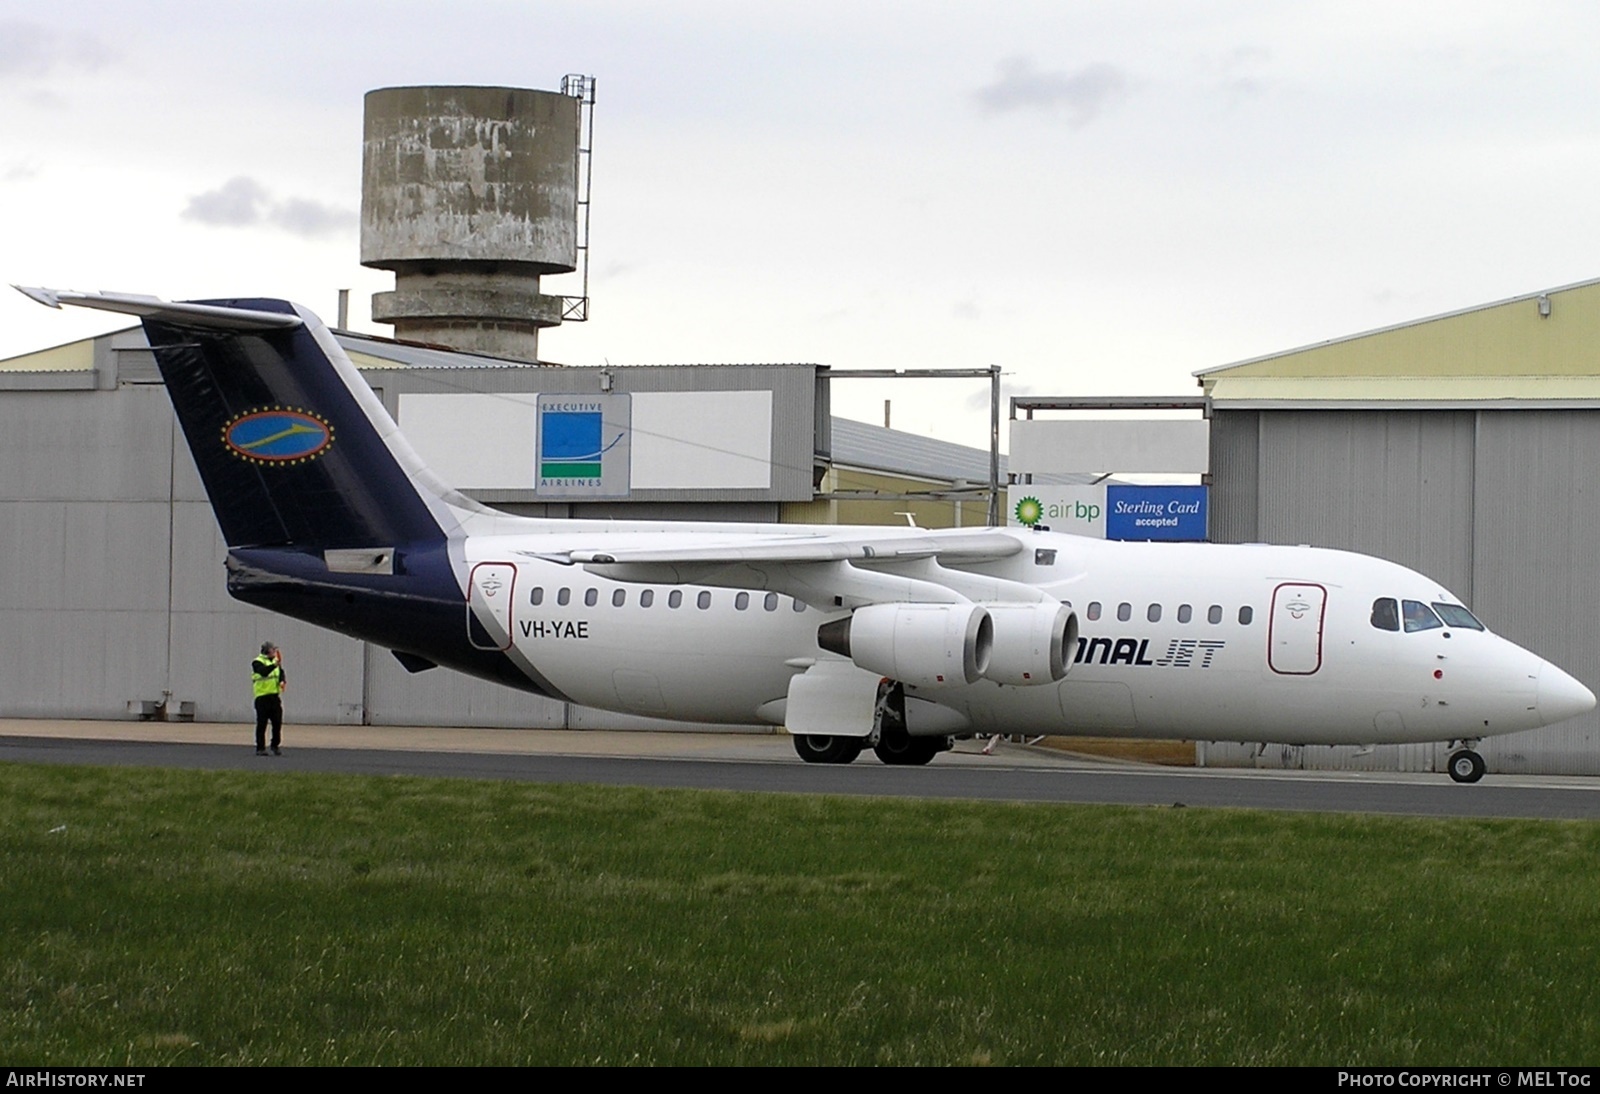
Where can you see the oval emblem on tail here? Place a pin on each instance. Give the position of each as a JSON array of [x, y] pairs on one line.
[[278, 435]]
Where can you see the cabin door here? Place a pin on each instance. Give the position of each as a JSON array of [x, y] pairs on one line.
[[1294, 630], [489, 597]]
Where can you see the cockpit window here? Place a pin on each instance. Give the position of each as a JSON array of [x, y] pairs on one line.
[[1386, 613], [1454, 615], [1419, 617]]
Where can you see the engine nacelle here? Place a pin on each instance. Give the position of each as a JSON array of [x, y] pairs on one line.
[[1033, 643], [925, 645]]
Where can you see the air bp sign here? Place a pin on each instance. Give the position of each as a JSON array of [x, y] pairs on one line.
[[1080, 510], [1171, 513], [583, 448]]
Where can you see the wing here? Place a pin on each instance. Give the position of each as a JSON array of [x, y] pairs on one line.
[[848, 570], [918, 613]]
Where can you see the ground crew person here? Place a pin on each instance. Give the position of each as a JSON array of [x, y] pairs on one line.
[[267, 679]]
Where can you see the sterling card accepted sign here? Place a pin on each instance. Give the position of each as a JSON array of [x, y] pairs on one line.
[[1156, 512]]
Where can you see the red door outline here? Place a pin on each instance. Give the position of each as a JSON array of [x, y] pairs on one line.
[[490, 597], [1294, 628]]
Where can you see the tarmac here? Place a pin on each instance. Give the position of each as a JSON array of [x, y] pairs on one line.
[[757, 761], [672, 744], [727, 746]]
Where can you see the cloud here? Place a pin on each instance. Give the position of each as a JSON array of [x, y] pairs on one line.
[[312, 219], [1237, 81], [242, 202], [32, 50], [237, 203], [19, 171], [1082, 95]]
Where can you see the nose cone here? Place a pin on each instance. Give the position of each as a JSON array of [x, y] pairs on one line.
[[1561, 697]]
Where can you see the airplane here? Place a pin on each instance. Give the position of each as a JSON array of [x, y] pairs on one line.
[[895, 639]]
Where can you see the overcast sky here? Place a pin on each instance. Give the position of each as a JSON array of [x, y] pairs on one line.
[[1101, 198]]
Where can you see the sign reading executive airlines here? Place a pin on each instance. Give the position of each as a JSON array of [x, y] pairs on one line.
[[1156, 512], [583, 448]]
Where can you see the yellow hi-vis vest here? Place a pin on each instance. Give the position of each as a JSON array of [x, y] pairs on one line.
[[270, 684]]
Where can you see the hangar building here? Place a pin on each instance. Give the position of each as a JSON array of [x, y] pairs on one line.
[[1466, 446]]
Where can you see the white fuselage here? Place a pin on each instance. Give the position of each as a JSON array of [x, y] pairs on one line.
[[1195, 641]]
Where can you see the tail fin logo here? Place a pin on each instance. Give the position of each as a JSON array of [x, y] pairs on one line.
[[278, 435]]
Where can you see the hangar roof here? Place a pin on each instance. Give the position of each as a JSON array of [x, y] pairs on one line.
[[365, 351], [854, 444], [1541, 348]]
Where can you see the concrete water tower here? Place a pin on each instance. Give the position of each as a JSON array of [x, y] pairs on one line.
[[469, 195]]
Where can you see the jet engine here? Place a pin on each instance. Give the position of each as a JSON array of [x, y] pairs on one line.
[[1033, 643], [925, 645]]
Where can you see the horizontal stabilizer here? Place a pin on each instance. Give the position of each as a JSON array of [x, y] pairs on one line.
[[203, 316]]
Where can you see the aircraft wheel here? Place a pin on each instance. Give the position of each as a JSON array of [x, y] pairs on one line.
[[819, 748], [903, 750], [1466, 766]]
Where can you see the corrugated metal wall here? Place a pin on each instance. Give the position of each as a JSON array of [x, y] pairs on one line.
[[1537, 564], [1496, 504], [111, 578]]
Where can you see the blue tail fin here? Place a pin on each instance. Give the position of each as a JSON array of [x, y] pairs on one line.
[[292, 445]]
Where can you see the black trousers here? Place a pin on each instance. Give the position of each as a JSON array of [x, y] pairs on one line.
[[269, 708]]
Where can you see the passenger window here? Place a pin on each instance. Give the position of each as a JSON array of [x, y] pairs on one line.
[[537, 596], [1418, 616], [564, 597], [619, 598], [591, 597], [1454, 615], [799, 606], [771, 602], [647, 598], [1214, 614], [1386, 613], [1094, 610], [742, 601], [1124, 612], [704, 599], [1246, 614], [1185, 613], [675, 598], [1153, 613]]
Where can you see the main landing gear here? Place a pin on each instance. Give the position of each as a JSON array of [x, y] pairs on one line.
[[1465, 766], [900, 749], [889, 740], [816, 748], [896, 749]]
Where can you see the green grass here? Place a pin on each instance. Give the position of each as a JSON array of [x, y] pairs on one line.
[[151, 917]]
